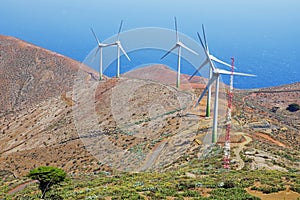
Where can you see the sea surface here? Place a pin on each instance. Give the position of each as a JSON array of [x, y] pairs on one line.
[[263, 36]]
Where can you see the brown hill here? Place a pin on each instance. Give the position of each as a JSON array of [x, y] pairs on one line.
[[53, 114], [267, 109], [34, 99], [163, 74], [30, 74]]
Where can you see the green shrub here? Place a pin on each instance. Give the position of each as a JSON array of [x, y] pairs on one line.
[[228, 184], [268, 189], [191, 193], [293, 107], [296, 188], [231, 194]]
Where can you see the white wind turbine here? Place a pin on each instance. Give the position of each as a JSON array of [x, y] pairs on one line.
[[208, 60], [216, 78], [119, 47], [178, 45], [100, 47]]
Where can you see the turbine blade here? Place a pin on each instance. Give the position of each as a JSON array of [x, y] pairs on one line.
[[206, 88], [243, 74], [124, 52], [120, 28], [168, 52], [199, 68], [93, 59], [219, 61], [204, 35], [201, 41], [177, 38], [95, 36], [188, 49], [222, 71]]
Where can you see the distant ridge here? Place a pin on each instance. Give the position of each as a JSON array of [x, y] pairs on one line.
[[163, 74]]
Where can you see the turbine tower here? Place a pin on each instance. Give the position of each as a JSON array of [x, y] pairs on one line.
[[208, 60], [119, 47], [178, 45], [216, 78], [100, 47]]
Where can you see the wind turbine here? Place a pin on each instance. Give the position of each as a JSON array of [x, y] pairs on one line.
[[178, 45], [119, 47], [100, 47], [216, 78], [209, 60]]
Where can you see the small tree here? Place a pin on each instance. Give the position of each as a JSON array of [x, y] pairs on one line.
[[293, 107], [47, 176]]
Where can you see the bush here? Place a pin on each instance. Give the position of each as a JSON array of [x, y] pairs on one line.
[[268, 189], [191, 193], [293, 107], [296, 188], [231, 194]]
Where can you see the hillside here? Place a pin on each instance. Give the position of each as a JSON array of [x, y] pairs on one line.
[[30, 74], [163, 74], [267, 112], [34, 97], [57, 118], [54, 112]]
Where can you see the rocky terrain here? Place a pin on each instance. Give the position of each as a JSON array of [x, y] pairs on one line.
[[274, 130], [30, 74], [54, 112]]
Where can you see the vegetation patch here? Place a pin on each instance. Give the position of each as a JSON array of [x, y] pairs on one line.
[[293, 107]]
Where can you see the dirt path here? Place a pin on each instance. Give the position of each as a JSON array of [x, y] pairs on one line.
[[21, 187], [270, 139], [239, 149], [287, 194], [153, 156]]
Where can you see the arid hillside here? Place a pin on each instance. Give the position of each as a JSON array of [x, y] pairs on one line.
[[269, 107], [55, 112], [164, 75], [30, 74], [34, 88]]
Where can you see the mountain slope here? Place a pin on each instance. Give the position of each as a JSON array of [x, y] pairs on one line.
[[30, 74], [35, 99], [163, 74], [53, 113]]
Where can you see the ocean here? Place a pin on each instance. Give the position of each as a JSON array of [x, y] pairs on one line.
[[263, 36]]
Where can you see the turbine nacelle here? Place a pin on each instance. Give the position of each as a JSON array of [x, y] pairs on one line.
[[103, 45], [118, 42]]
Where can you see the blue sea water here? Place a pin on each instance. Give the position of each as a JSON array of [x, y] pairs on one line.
[[263, 36]]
